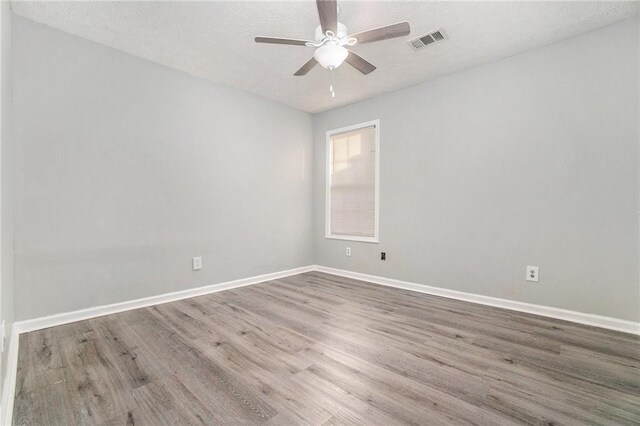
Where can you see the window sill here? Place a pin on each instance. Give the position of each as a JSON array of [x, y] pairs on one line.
[[374, 240]]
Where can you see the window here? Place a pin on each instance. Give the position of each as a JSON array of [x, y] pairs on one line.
[[352, 182]]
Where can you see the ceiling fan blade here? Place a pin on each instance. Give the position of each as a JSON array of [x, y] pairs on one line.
[[362, 65], [390, 31], [306, 67], [328, 12], [275, 40]]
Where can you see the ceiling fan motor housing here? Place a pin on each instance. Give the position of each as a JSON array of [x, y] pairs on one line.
[[342, 32]]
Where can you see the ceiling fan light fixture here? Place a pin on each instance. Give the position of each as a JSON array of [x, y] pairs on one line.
[[332, 40], [331, 56]]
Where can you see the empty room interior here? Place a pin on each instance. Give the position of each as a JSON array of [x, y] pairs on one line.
[[320, 213]]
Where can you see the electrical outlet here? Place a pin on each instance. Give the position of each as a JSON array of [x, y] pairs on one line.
[[383, 256], [532, 273], [348, 251], [197, 263]]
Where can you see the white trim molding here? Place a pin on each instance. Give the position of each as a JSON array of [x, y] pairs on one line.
[[546, 311], [9, 385], [98, 311]]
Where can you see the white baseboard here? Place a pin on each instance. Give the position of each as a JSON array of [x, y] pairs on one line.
[[9, 388], [98, 311], [547, 311]]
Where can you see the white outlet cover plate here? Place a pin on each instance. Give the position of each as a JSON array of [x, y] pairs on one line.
[[532, 273], [197, 263]]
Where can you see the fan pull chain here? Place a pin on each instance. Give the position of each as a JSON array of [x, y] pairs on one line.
[[331, 85]]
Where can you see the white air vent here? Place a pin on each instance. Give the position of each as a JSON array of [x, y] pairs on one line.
[[425, 40]]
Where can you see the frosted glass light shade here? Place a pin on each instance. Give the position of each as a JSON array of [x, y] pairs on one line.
[[331, 56]]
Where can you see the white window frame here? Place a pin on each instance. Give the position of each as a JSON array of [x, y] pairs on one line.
[[330, 133]]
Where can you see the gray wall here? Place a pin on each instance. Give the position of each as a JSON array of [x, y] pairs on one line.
[[126, 169], [532, 160], [6, 179]]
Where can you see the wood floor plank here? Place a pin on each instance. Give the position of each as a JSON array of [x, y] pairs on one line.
[[204, 377], [278, 388], [342, 403], [97, 394], [39, 364], [565, 402], [394, 393], [319, 349], [132, 359], [169, 402], [50, 405]]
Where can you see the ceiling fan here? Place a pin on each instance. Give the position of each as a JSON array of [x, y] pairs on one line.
[[332, 41]]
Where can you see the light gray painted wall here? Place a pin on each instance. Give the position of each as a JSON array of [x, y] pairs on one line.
[[126, 169], [532, 160], [6, 187]]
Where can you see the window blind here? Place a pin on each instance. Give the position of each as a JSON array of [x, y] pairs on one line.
[[353, 183]]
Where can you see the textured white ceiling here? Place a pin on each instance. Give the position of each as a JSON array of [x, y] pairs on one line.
[[214, 40]]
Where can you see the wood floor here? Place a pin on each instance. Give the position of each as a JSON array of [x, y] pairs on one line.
[[323, 350]]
